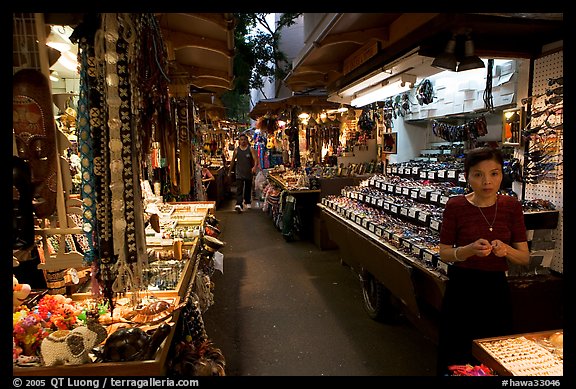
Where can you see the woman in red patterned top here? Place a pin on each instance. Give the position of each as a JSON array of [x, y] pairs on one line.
[[481, 233]]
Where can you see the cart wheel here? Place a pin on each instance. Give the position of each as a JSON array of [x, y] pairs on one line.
[[377, 299]]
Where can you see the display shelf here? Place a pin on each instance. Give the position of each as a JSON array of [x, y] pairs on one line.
[[282, 184], [153, 367], [390, 248], [158, 365]]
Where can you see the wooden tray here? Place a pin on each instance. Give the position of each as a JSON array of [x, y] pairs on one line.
[[481, 351]]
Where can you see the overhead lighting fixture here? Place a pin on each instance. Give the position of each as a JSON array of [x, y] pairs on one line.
[[447, 60], [364, 83], [69, 61], [383, 90], [470, 60], [57, 40]]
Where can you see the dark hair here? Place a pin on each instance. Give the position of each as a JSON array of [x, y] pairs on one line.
[[475, 156], [241, 135]]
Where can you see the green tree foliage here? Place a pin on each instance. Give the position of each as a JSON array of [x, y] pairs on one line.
[[257, 57]]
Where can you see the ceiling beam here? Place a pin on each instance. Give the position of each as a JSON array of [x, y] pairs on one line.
[[224, 20], [358, 37], [181, 40], [197, 71]]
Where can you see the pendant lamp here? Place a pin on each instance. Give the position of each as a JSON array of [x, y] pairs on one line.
[[447, 60], [470, 60]]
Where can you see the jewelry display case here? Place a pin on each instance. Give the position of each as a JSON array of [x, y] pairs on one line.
[[529, 354], [396, 219]]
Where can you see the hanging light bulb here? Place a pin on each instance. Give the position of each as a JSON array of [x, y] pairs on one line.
[[54, 76]]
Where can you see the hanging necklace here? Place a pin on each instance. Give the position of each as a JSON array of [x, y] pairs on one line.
[[490, 225]]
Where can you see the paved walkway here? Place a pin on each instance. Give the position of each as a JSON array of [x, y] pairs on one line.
[[291, 309]]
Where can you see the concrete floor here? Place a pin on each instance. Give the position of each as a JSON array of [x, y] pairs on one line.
[[291, 309]]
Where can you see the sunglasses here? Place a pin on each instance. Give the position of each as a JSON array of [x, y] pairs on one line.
[[559, 90], [554, 100], [558, 80]]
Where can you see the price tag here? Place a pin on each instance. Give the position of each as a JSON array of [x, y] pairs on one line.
[[423, 216], [386, 206], [401, 170], [461, 177], [361, 197], [371, 227], [407, 244], [374, 201], [393, 208], [390, 188], [444, 199], [403, 211], [441, 173], [415, 170], [417, 251], [442, 266], [378, 231], [396, 238], [371, 182], [388, 170], [432, 175], [434, 197], [399, 189], [365, 223], [423, 174], [451, 173], [406, 191], [358, 219], [435, 224], [427, 256], [414, 193], [380, 202], [423, 194], [412, 212], [394, 170]]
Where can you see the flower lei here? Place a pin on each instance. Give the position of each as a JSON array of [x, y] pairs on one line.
[[28, 330], [58, 311], [469, 370]]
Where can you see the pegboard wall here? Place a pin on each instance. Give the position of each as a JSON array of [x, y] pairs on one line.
[[547, 114]]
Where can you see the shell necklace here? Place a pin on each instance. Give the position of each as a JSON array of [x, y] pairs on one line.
[[490, 225]]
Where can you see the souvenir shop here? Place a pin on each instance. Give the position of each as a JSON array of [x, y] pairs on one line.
[[119, 215]]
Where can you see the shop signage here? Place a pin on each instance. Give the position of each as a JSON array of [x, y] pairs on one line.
[[360, 56]]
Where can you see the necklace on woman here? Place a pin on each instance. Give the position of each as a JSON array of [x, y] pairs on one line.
[[490, 225]]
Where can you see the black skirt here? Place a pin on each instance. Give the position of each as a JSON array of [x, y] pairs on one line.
[[477, 304]]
